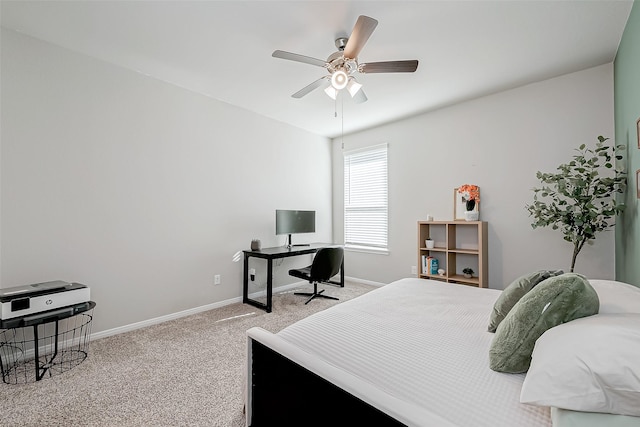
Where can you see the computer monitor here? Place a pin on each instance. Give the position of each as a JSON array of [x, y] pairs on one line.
[[295, 222]]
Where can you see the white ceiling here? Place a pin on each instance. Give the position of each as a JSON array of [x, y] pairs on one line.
[[223, 49]]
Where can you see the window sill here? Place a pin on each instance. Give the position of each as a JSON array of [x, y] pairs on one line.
[[365, 249]]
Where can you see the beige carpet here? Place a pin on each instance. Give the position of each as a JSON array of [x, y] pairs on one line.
[[185, 372]]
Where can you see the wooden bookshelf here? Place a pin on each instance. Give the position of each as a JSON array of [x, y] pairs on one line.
[[457, 245]]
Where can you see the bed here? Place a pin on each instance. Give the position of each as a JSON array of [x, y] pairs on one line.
[[414, 352]]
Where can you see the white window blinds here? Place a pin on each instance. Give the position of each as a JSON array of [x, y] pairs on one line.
[[365, 198]]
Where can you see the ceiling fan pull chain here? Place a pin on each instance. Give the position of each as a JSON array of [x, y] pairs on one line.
[[342, 124]]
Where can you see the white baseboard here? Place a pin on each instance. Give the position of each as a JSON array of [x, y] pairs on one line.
[[189, 312], [364, 282], [207, 307], [157, 320]]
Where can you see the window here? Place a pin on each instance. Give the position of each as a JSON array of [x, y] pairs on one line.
[[365, 198]]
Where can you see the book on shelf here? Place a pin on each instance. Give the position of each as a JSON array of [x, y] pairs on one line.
[[429, 265]]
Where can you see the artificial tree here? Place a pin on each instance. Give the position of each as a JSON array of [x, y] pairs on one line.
[[579, 200]]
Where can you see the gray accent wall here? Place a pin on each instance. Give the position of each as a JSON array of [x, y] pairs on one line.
[[498, 142], [140, 189]]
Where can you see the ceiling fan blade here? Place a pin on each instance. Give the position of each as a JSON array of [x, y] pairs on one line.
[[360, 97], [389, 67], [298, 58], [361, 32], [305, 90]]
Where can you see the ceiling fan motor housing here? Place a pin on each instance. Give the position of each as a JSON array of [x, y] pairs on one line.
[[341, 42], [337, 61]]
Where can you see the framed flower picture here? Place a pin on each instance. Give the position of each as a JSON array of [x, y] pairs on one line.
[[461, 196]]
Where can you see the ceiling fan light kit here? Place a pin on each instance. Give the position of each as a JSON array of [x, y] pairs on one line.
[[353, 87], [339, 79], [331, 92], [343, 64]]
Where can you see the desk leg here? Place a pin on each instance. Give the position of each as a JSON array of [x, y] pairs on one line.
[[342, 274], [245, 286], [245, 280], [269, 284]]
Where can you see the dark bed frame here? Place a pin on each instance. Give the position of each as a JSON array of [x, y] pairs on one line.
[[286, 394]]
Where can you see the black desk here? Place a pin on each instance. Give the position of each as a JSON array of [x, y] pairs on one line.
[[274, 253]]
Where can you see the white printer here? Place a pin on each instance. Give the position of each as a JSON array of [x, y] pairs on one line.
[[22, 301]]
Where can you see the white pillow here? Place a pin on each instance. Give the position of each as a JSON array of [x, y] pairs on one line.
[[590, 364], [616, 297]]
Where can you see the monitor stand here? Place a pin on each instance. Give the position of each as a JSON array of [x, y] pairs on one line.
[[289, 245]]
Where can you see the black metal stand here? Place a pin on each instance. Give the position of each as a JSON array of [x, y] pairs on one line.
[[57, 339]]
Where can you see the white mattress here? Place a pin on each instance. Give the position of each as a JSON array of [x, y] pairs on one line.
[[419, 351]]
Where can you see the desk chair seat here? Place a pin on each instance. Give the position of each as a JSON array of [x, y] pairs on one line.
[[326, 264]]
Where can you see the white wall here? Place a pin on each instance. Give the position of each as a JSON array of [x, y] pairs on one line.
[[140, 189], [497, 142]]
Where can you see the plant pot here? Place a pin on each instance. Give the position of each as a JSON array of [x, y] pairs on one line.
[[430, 244], [467, 276], [471, 215]]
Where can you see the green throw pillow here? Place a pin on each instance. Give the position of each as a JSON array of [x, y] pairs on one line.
[[556, 300], [512, 294]]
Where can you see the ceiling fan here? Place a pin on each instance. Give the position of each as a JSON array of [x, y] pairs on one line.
[[343, 64]]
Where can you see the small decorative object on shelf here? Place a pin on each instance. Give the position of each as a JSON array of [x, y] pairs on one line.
[[468, 272], [467, 202], [255, 245], [429, 243], [471, 215], [441, 272]]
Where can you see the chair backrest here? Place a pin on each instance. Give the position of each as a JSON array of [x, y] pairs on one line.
[[326, 263]]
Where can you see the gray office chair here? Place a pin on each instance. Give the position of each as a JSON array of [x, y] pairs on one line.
[[326, 264]]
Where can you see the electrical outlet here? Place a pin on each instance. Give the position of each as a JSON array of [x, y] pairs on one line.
[[216, 279], [414, 269]]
